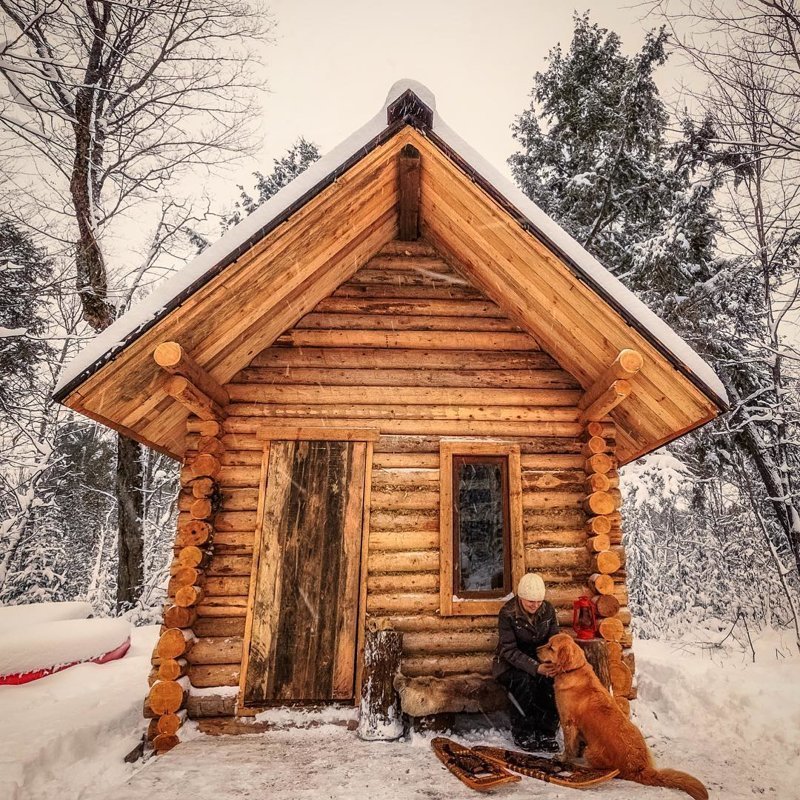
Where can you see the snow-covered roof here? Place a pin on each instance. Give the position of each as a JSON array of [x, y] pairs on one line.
[[237, 240]]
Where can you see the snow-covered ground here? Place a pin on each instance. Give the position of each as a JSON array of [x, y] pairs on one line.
[[734, 724], [69, 732]]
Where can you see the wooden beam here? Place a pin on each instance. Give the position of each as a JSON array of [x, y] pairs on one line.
[[606, 402], [624, 367], [409, 194], [317, 433], [196, 401], [172, 358]]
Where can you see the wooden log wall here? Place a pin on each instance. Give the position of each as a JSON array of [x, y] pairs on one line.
[[178, 646], [407, 346]]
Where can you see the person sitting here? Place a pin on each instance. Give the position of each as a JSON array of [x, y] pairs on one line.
[[526, 622]]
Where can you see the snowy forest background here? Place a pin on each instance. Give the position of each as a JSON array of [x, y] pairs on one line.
[[691, 200]]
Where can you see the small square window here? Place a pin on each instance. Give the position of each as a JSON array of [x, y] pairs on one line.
[[482, 549]]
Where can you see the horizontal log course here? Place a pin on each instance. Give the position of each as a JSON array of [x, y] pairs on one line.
[[208, 427], [229, 542], [170, 669], [402, 603], [193, 533], [226, 586], [602, 583], [202, 487], [406, 499], [409, 418], [599, 526], [555, 537], [405, 582], [416, 623], [166, 697], [219, 626], [205, 465], [599, 462], [553, 518], [174, 643], [573, 559], [192, 556], [384, 479], [415, 561], [598, 544], [216, 650], [439, 420], [408, 340], [223, 607], [188, 596], [403, 540], [599, 503], [178, 617], [419, 521], [170, 724], [441, 665], [607, 605], [571, 480], [225, 565], [346, 396], [540, 377], [207, 676], [239, 476], [424, 643], [398, 322], [183, 576], [361, 358], [235, 521], [606, 562], [611, 628], [164, 742], [204, 706]]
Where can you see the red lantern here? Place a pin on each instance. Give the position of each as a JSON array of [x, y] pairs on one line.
[[583, 618]]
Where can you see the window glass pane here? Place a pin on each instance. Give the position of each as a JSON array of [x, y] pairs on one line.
[[479, 500]]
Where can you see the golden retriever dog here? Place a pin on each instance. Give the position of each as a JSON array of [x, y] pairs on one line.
[[589, 714]]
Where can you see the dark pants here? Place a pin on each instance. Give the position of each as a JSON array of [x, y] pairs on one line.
[[536, 697]]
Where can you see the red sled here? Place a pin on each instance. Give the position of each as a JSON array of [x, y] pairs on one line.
[[33, 675]]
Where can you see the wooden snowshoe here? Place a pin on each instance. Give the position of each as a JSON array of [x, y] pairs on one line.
[[470, 767], [546, 769]]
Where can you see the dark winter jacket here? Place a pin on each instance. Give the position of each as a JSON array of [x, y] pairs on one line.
[[520, 635]]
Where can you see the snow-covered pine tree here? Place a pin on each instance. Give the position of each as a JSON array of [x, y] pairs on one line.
[[593, 153], [25, 271], [285, 169]]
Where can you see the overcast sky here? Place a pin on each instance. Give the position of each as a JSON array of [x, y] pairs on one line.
[[333, 62]]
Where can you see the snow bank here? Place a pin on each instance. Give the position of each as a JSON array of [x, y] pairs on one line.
[[23, 616], [69, 732], [54, 644]]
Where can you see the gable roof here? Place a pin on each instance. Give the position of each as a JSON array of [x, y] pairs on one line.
[[276, 243]]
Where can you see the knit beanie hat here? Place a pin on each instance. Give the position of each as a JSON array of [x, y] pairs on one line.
[[531, 587]]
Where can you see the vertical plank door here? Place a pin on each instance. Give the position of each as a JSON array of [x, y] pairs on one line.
[[303, 633]]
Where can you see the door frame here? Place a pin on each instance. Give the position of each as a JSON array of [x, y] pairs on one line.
[[267, 434]]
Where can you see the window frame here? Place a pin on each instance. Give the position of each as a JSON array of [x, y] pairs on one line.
[[451, 601]]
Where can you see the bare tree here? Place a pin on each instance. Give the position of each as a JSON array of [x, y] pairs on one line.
[[111, 102], [747, 52]]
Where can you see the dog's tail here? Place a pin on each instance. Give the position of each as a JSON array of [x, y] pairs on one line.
[[673, 779]]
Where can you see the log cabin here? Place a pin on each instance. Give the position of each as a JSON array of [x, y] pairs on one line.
[[393, 389]]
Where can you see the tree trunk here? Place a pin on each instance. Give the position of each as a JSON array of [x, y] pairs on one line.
[[130, 506]]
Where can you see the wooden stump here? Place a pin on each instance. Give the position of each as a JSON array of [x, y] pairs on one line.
[[597, 655], [380, 717]]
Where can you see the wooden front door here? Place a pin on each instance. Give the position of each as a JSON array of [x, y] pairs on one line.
[[303, 631]]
